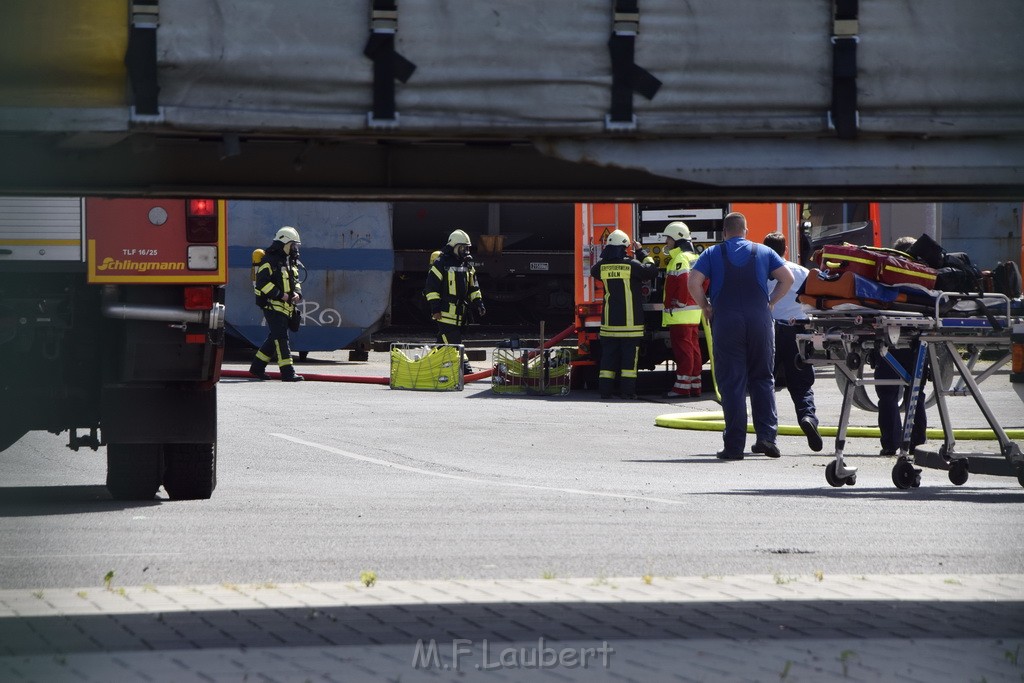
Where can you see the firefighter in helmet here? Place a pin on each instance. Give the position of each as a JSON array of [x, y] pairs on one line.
[[278, 292], [452, 289], [681, 314], [622, 320]]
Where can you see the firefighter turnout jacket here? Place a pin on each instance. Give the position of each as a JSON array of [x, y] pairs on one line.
[[451, 287], [623, 314], [680, 308], [276, 280]]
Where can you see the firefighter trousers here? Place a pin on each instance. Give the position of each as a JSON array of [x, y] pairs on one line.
[[275, 348], [619, 356]]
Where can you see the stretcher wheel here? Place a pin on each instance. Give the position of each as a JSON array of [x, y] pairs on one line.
[[905, 475], [831, 477], [958, 472], [1020, 476], [851, 480]]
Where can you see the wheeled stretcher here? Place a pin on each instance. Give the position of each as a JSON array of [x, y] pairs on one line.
[[847, 338]]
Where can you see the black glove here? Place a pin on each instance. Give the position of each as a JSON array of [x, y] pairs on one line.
[[480, 310]]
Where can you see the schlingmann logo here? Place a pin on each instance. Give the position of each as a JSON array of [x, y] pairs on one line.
[[139, 266]]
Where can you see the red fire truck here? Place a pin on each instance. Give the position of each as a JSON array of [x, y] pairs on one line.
[[807, 227], [112, 328]]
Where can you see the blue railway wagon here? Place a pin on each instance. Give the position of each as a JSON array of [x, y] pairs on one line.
[[349, 264]]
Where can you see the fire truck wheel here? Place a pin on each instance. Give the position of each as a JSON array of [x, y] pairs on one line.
[[134, 471], [191, 470]]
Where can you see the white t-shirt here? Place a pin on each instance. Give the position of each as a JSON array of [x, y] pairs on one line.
[[789, 308]]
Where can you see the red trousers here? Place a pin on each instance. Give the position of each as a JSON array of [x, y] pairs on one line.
[[686, 351]]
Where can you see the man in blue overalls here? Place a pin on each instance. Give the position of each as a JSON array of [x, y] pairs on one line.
[[742, 332]]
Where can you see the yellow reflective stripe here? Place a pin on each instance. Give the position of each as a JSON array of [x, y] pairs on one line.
[[606, 374], [433, 296], [629, 373], [844, 257], [451, 282], [280, 306], [266, 288], [906, 271], [475, 295], [617, 332], [628, 294]]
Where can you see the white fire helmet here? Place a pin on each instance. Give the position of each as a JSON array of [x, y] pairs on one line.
[[617, 238], [677, 230], [287, 234], [459, 237]]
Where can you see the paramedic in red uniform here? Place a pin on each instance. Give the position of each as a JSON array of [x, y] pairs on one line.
[[742, 332], [681, 314]]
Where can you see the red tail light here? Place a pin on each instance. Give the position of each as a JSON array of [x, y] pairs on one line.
[[202, 207], [201, 220], [198, 298]]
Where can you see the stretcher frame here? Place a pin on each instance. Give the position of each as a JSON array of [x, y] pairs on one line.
[[843, 338]]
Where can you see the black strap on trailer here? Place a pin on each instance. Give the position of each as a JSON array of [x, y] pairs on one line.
[[388, 65], [627, 76], [843, 115], [140, 59]]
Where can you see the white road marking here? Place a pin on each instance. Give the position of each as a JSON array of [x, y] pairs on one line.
[[417, 470]]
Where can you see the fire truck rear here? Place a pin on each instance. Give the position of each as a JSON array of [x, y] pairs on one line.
[[807, 227], [112, 329]]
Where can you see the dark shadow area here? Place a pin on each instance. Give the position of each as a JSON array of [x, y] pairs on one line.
[[701, 458], [518, 397], [775, 620], [39, 501]]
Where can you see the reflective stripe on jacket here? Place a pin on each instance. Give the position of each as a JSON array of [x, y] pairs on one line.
[[677, 273], [451, 286], [623, 312], [275, 279]]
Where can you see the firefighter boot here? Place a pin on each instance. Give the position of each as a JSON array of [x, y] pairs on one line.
[[258, 369], [288, 374], [628, 387], [605, 386]]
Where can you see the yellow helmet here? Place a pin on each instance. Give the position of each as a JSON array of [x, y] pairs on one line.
[[459, 237], [677, 230], [287, 234], [617, 238], [434, 256]]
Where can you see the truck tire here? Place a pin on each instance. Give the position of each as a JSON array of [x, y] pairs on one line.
[[134, 471], [191, 470]]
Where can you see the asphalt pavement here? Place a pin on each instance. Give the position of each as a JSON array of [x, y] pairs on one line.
[[532, 524]]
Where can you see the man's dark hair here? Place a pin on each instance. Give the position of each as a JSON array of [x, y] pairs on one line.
[[776, 241], [734, 224]]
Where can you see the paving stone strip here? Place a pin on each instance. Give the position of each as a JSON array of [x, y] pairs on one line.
[[778, 627]]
